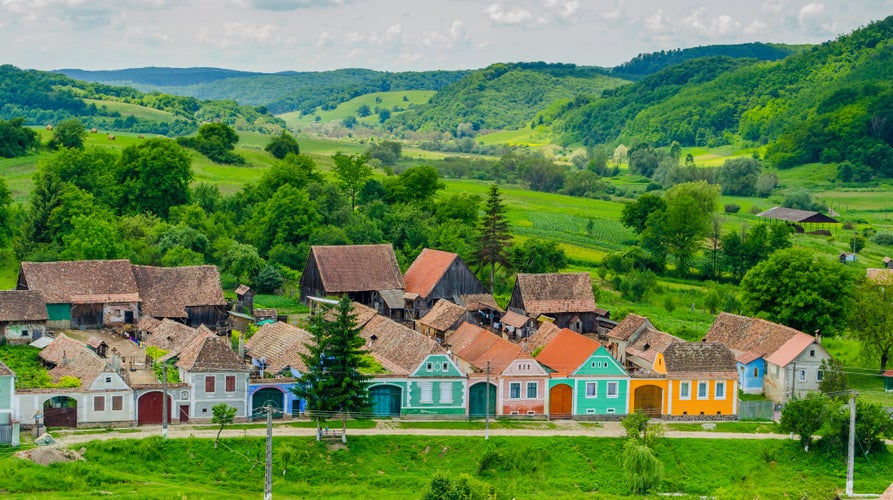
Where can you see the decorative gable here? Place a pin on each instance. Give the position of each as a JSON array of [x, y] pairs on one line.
[[659, 366], [437, 365], [601, 363], [524, 366]]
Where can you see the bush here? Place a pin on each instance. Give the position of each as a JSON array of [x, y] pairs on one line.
[[883, 238], [732, 208], [443, 487], [642, 469]]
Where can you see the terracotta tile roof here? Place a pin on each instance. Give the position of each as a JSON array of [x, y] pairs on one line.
[[242, 290], [147, 323], [443, 315], [95, 342], [61, 346], [356, 268], [171, 336], [363, 313], [543, 335], [629, 326], [479, 302], [22, 305], [514, 319], [649, 343], [72, 358], [426, 270], [754, 338], [476, 346], [699, 360], [556, 293], [4, 370], [167, 291], [881, 276], [566, 351], [210, 353], [399, 346], [281, 346], [64, 282]]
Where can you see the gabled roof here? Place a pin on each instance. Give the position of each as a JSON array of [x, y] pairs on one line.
[[479, 302], [357, 268], [72, 358], [631, 324], [426, 270], [167, 291], [22, 305], [514, 319], [171, 336], [210, 353], [649, 343], [699, 360], [443, 315], [396, 347], [752, 338], [363, 313], [794, 215], [4, 370], [477, 346], [556, 293], [280, 345], [566, 351], [880, 276], [61, 347], [83, 281], [543, 335]]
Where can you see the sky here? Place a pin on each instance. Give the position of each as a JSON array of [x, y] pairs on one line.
[[399, 35]]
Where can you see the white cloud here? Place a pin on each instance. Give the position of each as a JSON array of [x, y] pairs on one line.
[[815, 19], [325, 39], [236, 34], [286, 5], [756, 28], [501, 15]]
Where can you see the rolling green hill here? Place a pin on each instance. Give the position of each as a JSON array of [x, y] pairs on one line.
[[395, 102], [647, 64]]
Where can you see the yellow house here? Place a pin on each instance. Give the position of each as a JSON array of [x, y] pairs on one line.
[[701, 379]]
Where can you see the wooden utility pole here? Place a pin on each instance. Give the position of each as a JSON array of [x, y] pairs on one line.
[[164, 400], [268, 474], [487, 406], [851, 446]]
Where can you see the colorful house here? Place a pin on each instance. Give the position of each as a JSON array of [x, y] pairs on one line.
[[275, 353], [216, 375], [601, 386], [561, 351], [701, 379], [436, 388], [522, 387], [436, 275]]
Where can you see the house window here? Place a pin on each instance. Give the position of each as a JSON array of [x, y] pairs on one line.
[[756, 373], [812, 353], [24, 333], [515, 390], [720, 390], [445, 391], [591, 389], [612, 389], [610, 410], [702, 390], [593, 364], [108, 380], [230, 383], [430, 367], [532, 389], [184, 394], [819, 375], [684, 390], [427, 392], [210, 381], [801, 375], [117, 403], [98, 403], [445, 367]]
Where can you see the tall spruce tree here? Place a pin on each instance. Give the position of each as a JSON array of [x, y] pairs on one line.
[[494, 237], [333, 382]]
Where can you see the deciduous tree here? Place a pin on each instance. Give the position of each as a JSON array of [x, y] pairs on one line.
[[352, 172], [223, 415], [871, 319], [153, 176], [69, 133], [804, 417], [283, 144]]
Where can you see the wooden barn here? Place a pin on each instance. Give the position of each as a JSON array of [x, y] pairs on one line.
[[23, 316], [188, 294], [84, 294], [362, 272], [566, 298], [435, 275]]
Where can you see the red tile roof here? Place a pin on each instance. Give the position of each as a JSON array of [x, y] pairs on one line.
[[75, 281], [752, 338], [556, 293], [22, 305], [543, 335], [281, 346], [566, 351], [479, 302], [167, 291], [443, 315], [210, 353], [477, 346], [357, 268], [629, 326], [514, 319], [427, 269]]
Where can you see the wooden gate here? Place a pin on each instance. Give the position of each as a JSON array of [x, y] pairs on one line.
[[149, 408], [477, 400], [649, 399], [561, 402], [385, 400], [184, 414], [86, 316], [264, 397], [60, 411]]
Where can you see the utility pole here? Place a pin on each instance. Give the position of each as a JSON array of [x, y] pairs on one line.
[[487, 406], [851, 448], [164, 400], [268, 475]]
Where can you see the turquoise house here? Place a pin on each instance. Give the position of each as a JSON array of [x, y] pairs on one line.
[[9, 426], [601, 386], [436, 387]]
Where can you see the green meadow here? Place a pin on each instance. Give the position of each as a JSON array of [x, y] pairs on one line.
[[395, 101]]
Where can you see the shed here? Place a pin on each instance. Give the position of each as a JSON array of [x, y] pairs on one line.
[[566, 297], [244, 299], [888, 263], [888, 380], [444, 316], [436, 275], [23, 315], [816, 222], [358, 271]]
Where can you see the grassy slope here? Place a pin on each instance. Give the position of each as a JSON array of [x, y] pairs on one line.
[[388, 101], [402, 467], [127, 109]]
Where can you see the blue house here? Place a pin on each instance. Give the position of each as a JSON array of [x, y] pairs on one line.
[[275, 353]]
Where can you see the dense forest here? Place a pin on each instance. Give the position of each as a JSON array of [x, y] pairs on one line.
[[647, 64]]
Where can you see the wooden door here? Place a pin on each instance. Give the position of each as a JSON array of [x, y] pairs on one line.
[[267, 396], [385, 400], [184, 414], [60, 411], [150, 406], [477, 400], [561, 401], [649, 400]]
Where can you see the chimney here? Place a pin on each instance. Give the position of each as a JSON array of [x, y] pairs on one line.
[[64, 358], [818, 336]]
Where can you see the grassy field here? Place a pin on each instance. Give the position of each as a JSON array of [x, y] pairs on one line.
[[393, 101], [401, 467], [135, 110]]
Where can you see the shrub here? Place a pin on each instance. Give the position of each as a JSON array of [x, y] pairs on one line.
[[642, 469], [465, 487], [755, 209], [732, 208], [883, 238]]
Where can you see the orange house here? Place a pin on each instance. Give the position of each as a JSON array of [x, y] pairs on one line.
[[701, 379]]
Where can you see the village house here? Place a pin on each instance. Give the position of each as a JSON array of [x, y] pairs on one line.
[[188, 294], [482, 308], [440, 319], [275, 352], [23, 316], [170, 336], [619, 337], [84, 294], [772, 359], [701, 380], [436, 275], [566, 298], [368, 274], [9, 419], [215, 374]]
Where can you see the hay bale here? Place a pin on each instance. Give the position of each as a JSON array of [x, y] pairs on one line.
[[111, 137], [93, 130], [49, 127]]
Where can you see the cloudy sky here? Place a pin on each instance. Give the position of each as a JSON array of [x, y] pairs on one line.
[[398, 35]]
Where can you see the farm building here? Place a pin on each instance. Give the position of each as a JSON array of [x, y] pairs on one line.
[[244, 300], [772, 359], [801, 220], [482, 307], [566, 298], [362, 272], [189, 294], [619, 337], [84, 294], [435, 275], [440, 319], [23, 316]]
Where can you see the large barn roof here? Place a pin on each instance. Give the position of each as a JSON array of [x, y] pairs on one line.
[[794, 215], [168, 291], [357, 268], [22, 305], [556, 293], [81, 281], [426, 270]]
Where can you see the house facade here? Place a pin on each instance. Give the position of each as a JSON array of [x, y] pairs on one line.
[[601, 386], [215, 375], [523, 388], [436, 388], [23, 316], [702, 380]]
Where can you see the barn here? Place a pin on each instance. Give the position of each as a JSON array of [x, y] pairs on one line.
[[435, 275], [566, 298], [362, 272], [188, 294]]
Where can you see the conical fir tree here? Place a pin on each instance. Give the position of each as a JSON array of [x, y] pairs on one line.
[[494, 237]]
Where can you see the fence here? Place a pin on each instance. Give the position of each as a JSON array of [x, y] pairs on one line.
[[5, 433], [755, 410]]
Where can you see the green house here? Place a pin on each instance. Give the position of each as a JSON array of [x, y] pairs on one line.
[[601, 386], [436, 387]]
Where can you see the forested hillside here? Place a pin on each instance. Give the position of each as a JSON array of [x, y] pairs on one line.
[[647, 64], [831, 103], [41, 98], [506, 96]]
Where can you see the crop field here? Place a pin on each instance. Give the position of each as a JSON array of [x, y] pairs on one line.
[[522, 137], [401, 467]]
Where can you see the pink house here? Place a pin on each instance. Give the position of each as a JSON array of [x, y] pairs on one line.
[[522, 387]]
